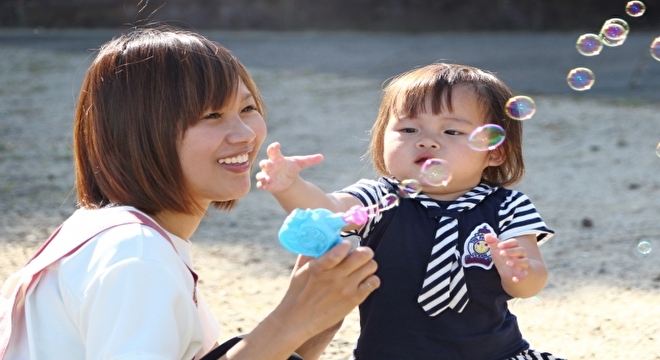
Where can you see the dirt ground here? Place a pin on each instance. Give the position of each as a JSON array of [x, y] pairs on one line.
[[591, 170]]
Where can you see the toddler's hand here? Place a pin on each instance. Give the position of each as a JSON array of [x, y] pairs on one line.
[[510, 258], [279, 172]]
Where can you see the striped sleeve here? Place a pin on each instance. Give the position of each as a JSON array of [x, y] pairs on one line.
[[369, 193], [518, 216]]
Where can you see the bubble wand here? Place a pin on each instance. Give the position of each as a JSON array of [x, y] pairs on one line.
[[312, 232]]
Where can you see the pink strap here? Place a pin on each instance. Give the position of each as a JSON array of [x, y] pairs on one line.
[[11, 309]]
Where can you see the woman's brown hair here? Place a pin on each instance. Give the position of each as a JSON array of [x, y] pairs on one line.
[[141, 93], [407, 94]]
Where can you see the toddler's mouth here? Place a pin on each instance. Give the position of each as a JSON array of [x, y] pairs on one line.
[[422, 159]]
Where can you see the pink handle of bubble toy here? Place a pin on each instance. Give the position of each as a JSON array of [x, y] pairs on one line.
[[357, 215]]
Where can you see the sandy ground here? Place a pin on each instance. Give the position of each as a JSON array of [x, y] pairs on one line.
[[592, 168]]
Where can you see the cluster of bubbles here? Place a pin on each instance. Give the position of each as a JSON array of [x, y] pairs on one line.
[[613, 33], [437, 172]]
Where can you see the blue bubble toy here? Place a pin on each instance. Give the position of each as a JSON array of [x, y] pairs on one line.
[[312, 232]]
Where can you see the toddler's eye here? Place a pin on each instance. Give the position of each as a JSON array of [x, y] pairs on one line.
[[453, 132], [249, 108], [409, 130]]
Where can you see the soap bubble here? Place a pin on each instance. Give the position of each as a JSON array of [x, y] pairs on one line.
[[589, 44], [410, 188], [528, 308], [622, 24], [644, 247], [614, 32], [657, 150], [581, 79], [655, 48], [520, 107], [635, 8], [387, 202], [436, 172], [487, 137]]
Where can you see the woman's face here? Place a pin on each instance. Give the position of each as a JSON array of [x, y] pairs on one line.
[[217, 153]]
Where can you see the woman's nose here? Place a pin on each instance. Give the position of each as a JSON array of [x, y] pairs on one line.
[[240, 131]]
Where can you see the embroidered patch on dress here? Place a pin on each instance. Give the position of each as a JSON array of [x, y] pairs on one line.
[[476, 251]]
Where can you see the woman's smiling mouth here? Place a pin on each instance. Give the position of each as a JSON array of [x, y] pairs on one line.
[[240, 159]]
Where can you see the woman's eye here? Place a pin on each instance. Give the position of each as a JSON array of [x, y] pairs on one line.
[[213, 115], [409, 130]]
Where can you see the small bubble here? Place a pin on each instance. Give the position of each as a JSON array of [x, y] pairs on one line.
[[657, 150], [655, 48], [436, 172], [644, 247], [520, 107], [387, 202], [487, 137], [410, 188], [581, 79], [589, 45], [635, 8], [529, 308]]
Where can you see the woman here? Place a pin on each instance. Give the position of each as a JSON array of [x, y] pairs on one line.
[[168, 123]]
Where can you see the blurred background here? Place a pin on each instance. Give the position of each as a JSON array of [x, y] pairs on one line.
[[592, 165], [368, 15]]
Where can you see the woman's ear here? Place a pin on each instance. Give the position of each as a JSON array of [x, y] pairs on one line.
[[496, 157]]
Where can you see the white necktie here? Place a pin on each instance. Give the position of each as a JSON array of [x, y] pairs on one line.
[[444, 284]]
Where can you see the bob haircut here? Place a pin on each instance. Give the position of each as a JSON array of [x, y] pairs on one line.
[[142, 92], [410, 90]]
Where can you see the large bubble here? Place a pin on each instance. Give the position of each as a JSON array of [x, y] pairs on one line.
[[487, 137], [436, 172]]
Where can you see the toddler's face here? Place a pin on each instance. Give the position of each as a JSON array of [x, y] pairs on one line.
[[408, 142]]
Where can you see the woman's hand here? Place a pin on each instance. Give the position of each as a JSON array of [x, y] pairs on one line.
[[332, 285], [321, 293]]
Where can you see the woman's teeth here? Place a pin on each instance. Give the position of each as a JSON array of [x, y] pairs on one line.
[[234, 160]]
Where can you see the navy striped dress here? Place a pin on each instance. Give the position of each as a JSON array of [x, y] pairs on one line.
[[393, 324]]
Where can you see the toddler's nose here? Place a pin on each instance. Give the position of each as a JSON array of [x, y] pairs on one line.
[[428, 143]]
